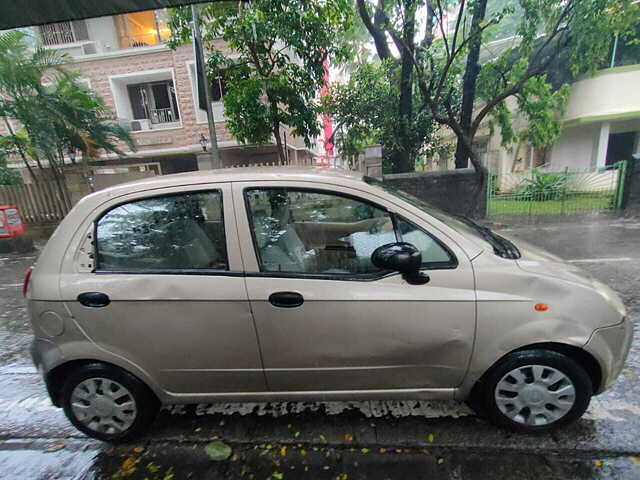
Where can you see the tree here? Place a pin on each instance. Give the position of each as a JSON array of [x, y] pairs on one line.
[[402, 32], [47, 112], [365, 110], [463, 93], [279, 52]]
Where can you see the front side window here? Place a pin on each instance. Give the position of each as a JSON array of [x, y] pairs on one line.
[[434, 254], [164, 233], [298, 231]]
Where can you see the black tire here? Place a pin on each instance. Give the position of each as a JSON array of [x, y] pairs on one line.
[[573, 370], [147, 405]]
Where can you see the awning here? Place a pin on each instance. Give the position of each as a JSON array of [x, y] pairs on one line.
[[23, 13]]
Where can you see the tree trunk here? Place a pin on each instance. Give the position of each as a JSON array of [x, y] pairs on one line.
[[20, 151], [479, 194], [282, 158], [403, 161], [469, 80]]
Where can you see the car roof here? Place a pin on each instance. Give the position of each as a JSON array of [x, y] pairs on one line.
[[239, 174]]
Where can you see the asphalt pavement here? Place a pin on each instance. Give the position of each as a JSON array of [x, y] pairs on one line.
[[368, 440]]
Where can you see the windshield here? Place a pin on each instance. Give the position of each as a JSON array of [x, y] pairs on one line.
[[501, 246]]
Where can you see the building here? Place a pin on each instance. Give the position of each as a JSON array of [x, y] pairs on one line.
[[152, 89]]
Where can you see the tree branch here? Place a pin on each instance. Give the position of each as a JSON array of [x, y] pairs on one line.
[[374, 28]]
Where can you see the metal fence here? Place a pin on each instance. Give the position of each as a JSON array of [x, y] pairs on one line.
[[543, 192]]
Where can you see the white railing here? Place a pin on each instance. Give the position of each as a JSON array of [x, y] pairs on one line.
[[57, 33], [163, 115]]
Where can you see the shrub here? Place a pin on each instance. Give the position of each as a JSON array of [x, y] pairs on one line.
[[543, 186]]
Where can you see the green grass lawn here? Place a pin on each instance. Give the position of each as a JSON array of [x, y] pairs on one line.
[[573, 204]]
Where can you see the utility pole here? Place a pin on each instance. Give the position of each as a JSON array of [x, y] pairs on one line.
[[202, 73]]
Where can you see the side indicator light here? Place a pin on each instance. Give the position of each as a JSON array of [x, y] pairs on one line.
[[541, 307]]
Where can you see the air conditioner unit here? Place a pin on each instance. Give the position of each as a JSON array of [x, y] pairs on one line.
[[141, 124]]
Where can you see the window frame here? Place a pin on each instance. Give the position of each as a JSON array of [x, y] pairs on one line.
[[338, 276], [165, 271]]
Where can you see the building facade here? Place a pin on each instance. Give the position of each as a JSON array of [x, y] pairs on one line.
[[152, 90]]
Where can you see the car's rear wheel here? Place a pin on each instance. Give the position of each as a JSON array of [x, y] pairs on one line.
[[536, 391], [108, 403]]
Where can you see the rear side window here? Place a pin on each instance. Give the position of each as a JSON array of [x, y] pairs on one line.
[[163, 233]]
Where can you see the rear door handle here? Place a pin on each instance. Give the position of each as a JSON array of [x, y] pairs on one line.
[[286, 299], [94, 299]]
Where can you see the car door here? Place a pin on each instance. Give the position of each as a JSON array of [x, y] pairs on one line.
[[166, 291], [326, 318]]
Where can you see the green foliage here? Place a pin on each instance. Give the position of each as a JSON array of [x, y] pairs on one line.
[[365, 110], [8, 176], [53, 110], [277, 67], [542, 186]]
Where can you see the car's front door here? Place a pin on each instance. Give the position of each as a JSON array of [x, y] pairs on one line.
[[327, 319], [166, 290]]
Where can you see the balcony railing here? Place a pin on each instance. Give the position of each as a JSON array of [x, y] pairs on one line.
[[163, 115], [143, 40], [57, 33]]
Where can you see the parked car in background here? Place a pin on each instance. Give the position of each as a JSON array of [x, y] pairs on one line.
[[301, 284]]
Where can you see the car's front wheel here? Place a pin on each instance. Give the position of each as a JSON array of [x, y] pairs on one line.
[[536, 391], [108, 403]]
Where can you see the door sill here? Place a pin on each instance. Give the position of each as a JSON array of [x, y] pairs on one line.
[[319, 396]]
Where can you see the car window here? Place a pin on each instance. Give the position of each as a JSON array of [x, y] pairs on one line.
[[300, 231], [433, 252], [172, 232]]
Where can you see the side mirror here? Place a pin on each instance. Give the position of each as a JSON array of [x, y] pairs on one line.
[[400, 257]]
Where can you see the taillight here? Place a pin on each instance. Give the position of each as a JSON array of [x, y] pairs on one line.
[[25, 283]]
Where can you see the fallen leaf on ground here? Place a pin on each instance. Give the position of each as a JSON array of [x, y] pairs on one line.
[[55, 446], [348, 437], [440, 461], [365, 450], [597, 463], [430, 438], [283, 451], [217, 451], [635, 460]]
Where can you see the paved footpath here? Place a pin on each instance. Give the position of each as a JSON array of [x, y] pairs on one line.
[[367, 440]]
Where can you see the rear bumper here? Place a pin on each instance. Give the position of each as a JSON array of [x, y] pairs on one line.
[[610, 346], [45, 355]]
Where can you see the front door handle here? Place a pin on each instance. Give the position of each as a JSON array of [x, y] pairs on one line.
[[94, 299], [286, 299]]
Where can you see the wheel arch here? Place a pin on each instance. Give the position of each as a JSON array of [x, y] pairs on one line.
[[55, 378], [581, 356]]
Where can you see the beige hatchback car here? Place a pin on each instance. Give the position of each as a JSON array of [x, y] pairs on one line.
[[291, 284]]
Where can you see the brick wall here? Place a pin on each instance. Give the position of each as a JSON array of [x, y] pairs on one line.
[[98, 72], [453, 191]]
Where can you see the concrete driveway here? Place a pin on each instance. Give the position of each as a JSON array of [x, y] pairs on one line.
[[367, 440]]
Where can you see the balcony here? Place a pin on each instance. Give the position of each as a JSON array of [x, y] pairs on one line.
[[105, 35], [599, 97], [146, 100]]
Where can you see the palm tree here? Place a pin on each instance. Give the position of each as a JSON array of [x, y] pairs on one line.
[[55, 112]]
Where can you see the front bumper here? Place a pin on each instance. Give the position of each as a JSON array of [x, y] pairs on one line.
[[610, 346]]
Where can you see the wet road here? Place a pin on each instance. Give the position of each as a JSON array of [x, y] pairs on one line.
[[336, 440]]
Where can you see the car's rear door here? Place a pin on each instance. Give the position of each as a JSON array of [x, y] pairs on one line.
[[165, 289], [326, 318]]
